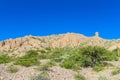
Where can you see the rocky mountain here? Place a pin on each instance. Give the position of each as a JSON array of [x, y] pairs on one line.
[[29, 67], [18, 46]]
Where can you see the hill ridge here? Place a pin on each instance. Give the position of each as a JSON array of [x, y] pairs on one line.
[[19, 46]]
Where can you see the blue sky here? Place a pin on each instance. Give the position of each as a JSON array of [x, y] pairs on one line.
[[44, 17]]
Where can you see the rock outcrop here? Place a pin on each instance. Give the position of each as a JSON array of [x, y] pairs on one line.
[[19, 46]]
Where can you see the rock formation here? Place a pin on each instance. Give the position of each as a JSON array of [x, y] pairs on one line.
[[97, 35], [20, 45]]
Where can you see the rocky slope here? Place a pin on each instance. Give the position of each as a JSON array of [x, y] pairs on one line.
[[17, 47]]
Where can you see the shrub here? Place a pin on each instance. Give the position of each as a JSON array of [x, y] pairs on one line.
[[41, 76], [26, 61], [46, 66], [43, 56], [70, 63], [48, 48], [32, 53], [78, 76], [5, 59], [42, 51], [117, 51], [12, 69], [98, 68], [117, 71], [50, 63], [90, 56], [56, 54], [30, 59], [110, 56]]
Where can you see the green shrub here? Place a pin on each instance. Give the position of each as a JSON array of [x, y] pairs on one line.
[[30, 59], [12, 69], [48, 48], [57, 54], [50, 63], [43, 56], [70, 63], [31, 53], [110, 56], [42, 51], [90, 56], [78, 76], [117, 71], [46, 66], [27, 61], [40, 76], [5, 59], [117, 51], [98, 68]]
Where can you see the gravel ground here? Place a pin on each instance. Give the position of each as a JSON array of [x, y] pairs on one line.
[[55, 73], [92, 75], [23, 73], [58, 73]]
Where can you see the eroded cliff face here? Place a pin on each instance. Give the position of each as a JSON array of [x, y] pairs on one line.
[[19, 46]]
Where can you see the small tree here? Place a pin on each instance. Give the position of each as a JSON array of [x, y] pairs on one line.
[[92, 55]]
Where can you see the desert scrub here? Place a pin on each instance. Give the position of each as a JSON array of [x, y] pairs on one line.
[[48, 48], [89, 56], [98, 68], [50, 63], [30, 59], [40, 76], [115, 72], [117, 51], [103, 78], [27, 62], [57, 54], [43, 56], [12, 69], [5, 59], [46, 66], [78, 76]]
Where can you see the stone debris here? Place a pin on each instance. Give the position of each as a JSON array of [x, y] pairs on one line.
[[58, 73]]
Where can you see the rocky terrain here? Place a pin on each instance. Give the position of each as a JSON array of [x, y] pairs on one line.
[[18, 47]]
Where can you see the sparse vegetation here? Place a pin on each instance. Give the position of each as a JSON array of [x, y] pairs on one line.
[[117, 51], [115, 72], [82, 59], [30, 59], [41, 76], [5, 59], [98, 68], [12, 69], [43, 56], [74, 58], [70, 58], [78, 76], [46, 66], [42, 51]]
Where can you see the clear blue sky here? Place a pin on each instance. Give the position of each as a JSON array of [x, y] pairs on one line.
[[45, 17]]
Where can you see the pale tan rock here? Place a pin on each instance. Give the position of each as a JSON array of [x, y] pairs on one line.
[[19, 46], [96, 34]]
